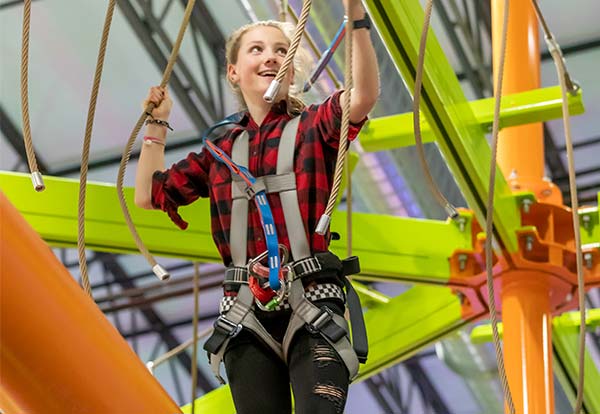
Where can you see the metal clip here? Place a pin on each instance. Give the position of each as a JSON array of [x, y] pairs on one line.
[[322, 318], [233, 329]]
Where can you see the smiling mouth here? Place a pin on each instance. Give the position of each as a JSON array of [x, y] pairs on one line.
[[267, 74]]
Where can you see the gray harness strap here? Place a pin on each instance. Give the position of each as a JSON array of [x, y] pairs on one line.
[[238, 234], [332, 327]]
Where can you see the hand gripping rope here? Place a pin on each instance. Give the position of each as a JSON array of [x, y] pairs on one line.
[[259, 197], [158, 270]]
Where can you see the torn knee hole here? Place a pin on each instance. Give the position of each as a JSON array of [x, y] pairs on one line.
[[323, 355], [332, 393]]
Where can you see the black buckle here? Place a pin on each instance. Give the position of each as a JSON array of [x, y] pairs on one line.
[[250, 192], [320, 320], [230, 328]]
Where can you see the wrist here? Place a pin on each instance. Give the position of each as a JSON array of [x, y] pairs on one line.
[[158, 131], [356, 11]]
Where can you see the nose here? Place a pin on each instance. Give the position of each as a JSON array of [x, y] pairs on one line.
[[270, 57]]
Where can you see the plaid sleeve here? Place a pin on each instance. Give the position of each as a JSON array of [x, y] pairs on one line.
[[328, 120], [180, 185]]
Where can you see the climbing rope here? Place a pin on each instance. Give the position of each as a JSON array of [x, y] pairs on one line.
[[448, 207], [158, 270], [275, 85], [325, 219], [86, 149], [489, 217], [194, 366], [151, 365], [36, 176], [567, 85]]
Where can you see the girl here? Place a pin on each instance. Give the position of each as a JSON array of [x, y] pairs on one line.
[[259, 373]]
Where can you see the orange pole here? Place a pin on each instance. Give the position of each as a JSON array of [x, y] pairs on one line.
[[525, 294], [528, 341], [58, 353]]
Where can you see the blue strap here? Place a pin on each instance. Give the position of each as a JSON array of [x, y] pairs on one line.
[[260, 200]]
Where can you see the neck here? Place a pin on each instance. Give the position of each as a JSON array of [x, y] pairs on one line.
[[258, 108]]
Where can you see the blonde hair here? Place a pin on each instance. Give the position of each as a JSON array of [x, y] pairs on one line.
[[295, 105]]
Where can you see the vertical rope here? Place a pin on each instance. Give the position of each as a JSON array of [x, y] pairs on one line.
[[490, 215], [343, 145], [289, 57], [348, 208], [160, 272], [36, 177], [448, 207], [195, 335], [86, 149]]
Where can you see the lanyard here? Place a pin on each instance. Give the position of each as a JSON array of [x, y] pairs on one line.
[[260, 199]]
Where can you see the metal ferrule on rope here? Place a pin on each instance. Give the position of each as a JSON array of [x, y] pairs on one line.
[[275, 85]]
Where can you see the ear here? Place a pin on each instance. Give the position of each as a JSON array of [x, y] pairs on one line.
[[232, 75]]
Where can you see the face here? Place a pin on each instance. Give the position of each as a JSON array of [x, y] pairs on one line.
[[261, 54]]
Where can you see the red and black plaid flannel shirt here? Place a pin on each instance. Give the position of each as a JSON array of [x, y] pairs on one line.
[[200, 175]]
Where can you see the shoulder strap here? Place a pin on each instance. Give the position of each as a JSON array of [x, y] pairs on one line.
[[238, 231]]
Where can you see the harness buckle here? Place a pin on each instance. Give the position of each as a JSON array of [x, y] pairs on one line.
[[230, 328], [320, 320], [250, 192]]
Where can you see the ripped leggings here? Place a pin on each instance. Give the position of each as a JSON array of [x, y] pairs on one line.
[[260, 380]]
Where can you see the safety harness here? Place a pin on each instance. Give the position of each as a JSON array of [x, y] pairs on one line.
[[237, 312]]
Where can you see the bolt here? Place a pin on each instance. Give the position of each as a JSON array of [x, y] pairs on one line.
[[529, 243], [588, 260], [461, 297], [526, 203], [461, 224], [586, 221], [462, 261]]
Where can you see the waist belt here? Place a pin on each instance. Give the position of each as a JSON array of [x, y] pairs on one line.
[[239, 274]]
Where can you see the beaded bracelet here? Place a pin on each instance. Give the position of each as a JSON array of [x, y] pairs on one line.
[[152, 140], [158, 122]]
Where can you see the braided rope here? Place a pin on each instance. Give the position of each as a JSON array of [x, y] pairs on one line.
[[289, 57], [490, 215], [450, 209], [31, 159], [86, 149], [158, 270], [194, 367], [343, 146]]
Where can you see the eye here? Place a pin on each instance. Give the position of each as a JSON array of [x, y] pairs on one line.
[[282, 51], [255, 49]]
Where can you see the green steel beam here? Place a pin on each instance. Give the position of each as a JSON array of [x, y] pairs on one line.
[[397, 330], [539, 105], [390, 248], [565, 338], [450, 117], [589, 221]]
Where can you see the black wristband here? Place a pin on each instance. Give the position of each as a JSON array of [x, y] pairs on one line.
[[364, 23]]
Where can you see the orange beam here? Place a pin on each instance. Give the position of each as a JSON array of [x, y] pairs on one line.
[[526, 309], [58, 353]]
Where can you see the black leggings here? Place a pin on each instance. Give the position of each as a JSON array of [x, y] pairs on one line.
[[260, 380]]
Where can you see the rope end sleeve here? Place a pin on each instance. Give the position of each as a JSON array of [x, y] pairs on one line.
[[272, 91], [161, 272], [38, 181], [323, 224]]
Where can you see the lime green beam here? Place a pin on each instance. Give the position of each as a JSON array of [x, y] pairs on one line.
[[390, 248], [397, 330], [450, 117], [539, 105], [565, 339]]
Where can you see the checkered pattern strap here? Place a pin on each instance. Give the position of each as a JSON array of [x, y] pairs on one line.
[[313, 293]]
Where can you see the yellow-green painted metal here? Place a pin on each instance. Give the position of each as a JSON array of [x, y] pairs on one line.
[[589, 224], [450, 117], [539, 105], [390, 248], [428, 314], [565, 339]]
